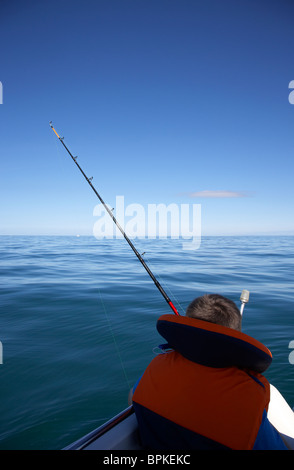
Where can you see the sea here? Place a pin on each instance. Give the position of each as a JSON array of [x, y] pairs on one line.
[[78, 321]]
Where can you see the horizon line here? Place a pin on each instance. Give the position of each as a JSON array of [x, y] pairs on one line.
[[142, 237]]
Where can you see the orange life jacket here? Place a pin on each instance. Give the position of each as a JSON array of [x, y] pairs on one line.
[[207, 392]]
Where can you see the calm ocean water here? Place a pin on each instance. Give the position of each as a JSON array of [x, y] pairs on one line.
[[78, 321]]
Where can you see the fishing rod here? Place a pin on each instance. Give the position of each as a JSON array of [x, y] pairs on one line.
[[89, 180]]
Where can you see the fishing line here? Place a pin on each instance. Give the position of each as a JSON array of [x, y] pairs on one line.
[[89, 180], [114, 340]]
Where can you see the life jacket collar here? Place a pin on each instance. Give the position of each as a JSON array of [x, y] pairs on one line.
[[213, 345]]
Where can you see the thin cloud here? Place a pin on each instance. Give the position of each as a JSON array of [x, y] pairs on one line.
[[219, 194]]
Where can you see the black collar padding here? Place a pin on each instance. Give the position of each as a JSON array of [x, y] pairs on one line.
[[213, 345]]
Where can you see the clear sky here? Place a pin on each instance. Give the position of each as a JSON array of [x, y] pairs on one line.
[[164, 101]]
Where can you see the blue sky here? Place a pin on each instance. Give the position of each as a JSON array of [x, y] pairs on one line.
[[164, 101]]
